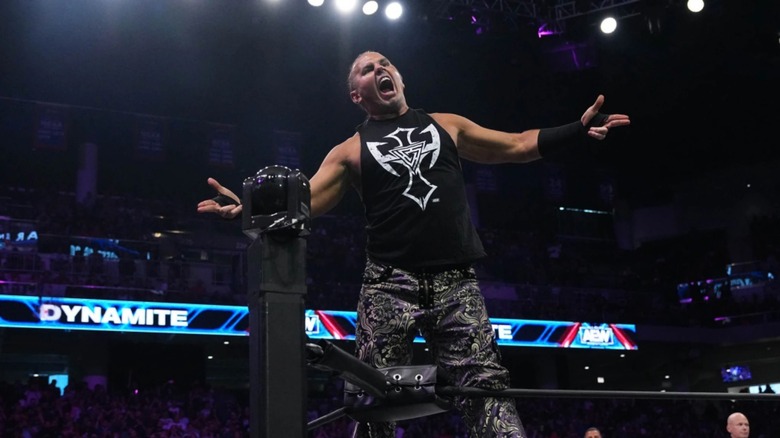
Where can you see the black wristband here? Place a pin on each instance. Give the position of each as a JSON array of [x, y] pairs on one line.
[[554, 141], [224, 200]]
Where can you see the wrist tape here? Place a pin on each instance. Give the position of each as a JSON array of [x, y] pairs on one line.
[[554, 141]]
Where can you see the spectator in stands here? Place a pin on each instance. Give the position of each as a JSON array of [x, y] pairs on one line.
[[592, 432], [738, 426]]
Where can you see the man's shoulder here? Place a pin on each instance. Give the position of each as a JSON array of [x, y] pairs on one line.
[[347, 149], [350, 141], [446, 119]]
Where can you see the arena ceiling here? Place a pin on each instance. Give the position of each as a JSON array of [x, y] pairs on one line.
[[701, 90]]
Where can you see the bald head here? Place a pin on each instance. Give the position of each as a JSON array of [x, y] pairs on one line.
[[355, 66], [592, 432], [737, 425]]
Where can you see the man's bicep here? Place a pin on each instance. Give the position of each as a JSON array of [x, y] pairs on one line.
[[329, 183]]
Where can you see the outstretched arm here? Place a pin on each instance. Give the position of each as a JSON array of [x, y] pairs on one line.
[[328, 185], [332, 179], [489, 146]]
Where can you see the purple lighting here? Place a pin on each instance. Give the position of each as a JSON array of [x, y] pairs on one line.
[[543, 31]]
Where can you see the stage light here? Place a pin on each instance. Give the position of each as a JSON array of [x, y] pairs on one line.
[[277, 199], [394, 11], [695, 5], [346, 5], [370, 7], [608, 25]]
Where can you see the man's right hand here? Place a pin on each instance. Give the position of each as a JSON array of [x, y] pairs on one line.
[[228, 211]]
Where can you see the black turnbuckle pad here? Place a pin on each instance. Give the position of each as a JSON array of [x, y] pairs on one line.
[[410, 394]]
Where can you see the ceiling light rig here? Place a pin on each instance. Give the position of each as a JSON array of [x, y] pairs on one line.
[[392, 10], [550, 16]]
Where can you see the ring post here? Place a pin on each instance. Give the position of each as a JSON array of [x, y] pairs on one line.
[[276, 216]]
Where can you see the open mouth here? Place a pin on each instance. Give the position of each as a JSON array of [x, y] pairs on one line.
[[386, 85]]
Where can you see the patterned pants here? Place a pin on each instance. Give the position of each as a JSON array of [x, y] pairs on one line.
[[448, 309]]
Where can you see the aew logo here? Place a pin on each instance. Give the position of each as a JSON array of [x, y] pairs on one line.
[[410, 155], [600, 335]]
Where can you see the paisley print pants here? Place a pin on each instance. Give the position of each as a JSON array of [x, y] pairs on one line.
[[447, 308]]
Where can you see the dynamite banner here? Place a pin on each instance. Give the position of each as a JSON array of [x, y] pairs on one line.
[[17, 311]]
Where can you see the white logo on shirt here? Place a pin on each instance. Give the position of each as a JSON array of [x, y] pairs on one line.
[[409, 154]]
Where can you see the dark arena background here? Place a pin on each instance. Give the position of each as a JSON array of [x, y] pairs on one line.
[[645, 263]]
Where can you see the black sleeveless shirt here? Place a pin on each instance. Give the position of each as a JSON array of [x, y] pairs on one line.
[[414, 195]]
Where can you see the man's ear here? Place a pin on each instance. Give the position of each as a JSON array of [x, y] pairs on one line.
[[355, 96]]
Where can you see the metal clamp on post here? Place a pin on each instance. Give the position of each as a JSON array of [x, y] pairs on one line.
[[411, 394]]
